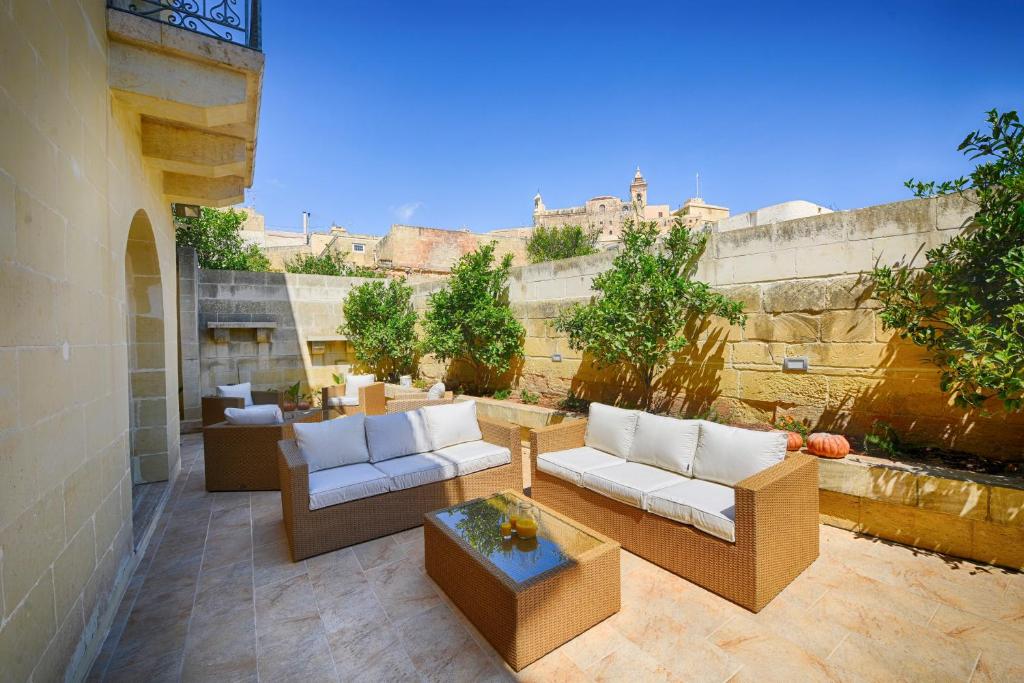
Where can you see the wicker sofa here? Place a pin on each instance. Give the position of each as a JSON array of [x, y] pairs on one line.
[[393, 476], [213, 406], [720, 506], [359, 394]]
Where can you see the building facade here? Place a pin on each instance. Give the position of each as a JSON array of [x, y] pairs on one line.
[[607, 214]]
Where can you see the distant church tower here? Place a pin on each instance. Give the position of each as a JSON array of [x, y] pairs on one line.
[[538, 203], [638, 189]]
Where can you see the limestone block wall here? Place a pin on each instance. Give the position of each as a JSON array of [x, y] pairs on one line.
[[272, 329], [72, 182], [806, 294], [434, 250]]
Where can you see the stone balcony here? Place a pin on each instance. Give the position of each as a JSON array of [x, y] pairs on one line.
[[198, 99]]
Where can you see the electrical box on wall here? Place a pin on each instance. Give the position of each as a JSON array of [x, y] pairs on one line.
[[795, 364]]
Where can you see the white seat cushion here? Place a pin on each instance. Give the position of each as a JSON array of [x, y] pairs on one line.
[[474, 456], [571, 464], [665, 442], [611, 429], [416, 470], [242, 391], [451, 424], [343, 484], [629, 482], [706, 505], [353, 383], [254, 415], [728, 455], [332, 443], [338, 401], [395, 435]]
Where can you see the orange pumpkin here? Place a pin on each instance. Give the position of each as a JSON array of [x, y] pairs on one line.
[[794, 441], [828, 445]]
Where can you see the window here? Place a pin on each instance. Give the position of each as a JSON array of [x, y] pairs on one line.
[[601, 208], [358, 246], [661, 214]]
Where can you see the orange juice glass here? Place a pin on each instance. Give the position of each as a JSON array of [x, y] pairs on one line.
[[526, 528]]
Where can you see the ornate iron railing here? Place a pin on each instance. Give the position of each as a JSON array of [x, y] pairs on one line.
[[233, 21]]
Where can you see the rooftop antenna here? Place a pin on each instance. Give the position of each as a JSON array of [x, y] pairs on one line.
[[698, 185], [305, 225]]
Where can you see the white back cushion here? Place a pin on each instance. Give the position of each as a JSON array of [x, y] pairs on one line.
[[728, 455], [392, 436], [665, 442], [353, 383], [611, 429], [436, 391], [254, 415], [451, 423], [243, 391], [332, 443]]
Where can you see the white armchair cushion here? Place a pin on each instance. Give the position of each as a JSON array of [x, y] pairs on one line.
[[706, 505], [728, 455], [665, 442], [353, 383], [629, 482], [343, 484], [437, 391], [611, 429], [395, 435], [242, 391], [416, 470], [451, 424], [572, 463], [254, 415], [339, 401], [332, 443], [474, 456]]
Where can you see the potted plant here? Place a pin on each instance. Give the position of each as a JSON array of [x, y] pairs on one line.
[[291, 396]]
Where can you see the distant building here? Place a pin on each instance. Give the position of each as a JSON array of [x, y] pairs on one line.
[[776, 213], [607, 214]]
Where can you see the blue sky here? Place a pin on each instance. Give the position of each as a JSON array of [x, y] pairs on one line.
[[453, 114]]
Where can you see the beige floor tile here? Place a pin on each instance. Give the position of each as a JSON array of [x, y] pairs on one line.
[[591, 646], [553, 667], [629, 663], [765, 655], [378, 552], [441, 650], [403, 590], [272, 563], [1002, 645], [371, 654]]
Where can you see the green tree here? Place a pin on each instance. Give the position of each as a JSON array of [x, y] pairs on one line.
[[551, 244], [470, 319], [644, 303], [328, 262], [966, 305], [214, 234], [381, 324]]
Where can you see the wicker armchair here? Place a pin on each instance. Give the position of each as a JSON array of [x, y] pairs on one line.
[[213, 406], [244, 457], [776, 517], [415, 400], [371, 399], [312, 532]]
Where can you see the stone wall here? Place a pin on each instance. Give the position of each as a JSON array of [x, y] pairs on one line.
[[805, 293], [435, 250], [271, 329], [72, 184]]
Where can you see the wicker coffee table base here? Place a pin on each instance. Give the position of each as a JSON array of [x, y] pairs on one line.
[[524, 623]]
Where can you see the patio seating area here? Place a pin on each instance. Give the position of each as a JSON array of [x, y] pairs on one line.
[[216, 597]]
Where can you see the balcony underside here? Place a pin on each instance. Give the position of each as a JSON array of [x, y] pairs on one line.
[[198, 101]]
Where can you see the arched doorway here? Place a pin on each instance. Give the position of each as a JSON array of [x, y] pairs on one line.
[[147, 387]]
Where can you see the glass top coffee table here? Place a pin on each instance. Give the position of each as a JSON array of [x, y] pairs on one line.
[[526, 596]]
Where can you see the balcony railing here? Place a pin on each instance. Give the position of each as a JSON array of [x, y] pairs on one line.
[[233, 21]]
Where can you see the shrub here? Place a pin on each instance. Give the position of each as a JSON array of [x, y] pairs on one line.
[[551, 244], [528, 397], [883, 440], [329, 262], [214, 234], [502, 394], [470, 319], [380, 323], [790, 424], [574, 403], [966, 306], [644, 302]]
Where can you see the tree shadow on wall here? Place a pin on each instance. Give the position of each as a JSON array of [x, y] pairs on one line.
[[460, 376]]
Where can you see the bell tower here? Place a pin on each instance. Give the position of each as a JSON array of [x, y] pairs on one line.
[[638, 189]]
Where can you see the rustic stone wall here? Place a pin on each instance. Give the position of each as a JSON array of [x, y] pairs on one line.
[[805, 292], [271, 329], [434, 250]]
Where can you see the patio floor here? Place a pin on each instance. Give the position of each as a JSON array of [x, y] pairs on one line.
[[216, 598]]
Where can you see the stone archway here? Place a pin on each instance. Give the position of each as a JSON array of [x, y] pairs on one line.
[[147, 398]]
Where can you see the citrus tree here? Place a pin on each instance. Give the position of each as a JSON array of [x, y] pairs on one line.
[[214, 234], [470, 318], [551, 244], [380, 323], [644, 302], [966, 305], [329, 262]]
